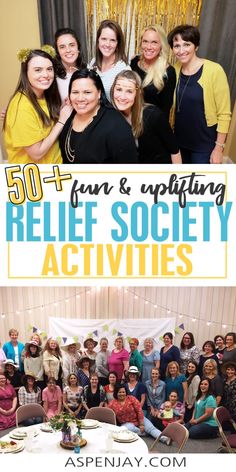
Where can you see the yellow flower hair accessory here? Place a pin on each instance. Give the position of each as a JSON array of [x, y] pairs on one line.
[[23, 54], [49, 49]]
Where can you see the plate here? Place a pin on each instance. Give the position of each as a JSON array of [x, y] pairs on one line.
[[20, 448], [89, 424], [21, 433], [125, 436], [46, 428], [10, 446]]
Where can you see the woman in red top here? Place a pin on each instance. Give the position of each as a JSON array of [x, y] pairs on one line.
[[130, 414]]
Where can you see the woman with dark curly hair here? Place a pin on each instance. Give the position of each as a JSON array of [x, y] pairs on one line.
[[88, 136], [188, 351], [129, 413], [69, 58], [202, 424]]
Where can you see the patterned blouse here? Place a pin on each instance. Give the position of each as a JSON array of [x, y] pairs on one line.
[[128, 412], [186, 355], [29, 397], [229, 397], [73, 399]]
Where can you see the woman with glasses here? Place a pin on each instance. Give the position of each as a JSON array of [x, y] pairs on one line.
[[201, 86], [188, 351]]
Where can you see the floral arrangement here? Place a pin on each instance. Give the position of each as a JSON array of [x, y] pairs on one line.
[[63, 421], [24, 53]]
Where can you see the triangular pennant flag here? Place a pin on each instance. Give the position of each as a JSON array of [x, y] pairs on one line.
[[29, 327], [58, 339], [44, 335], [128, 338], [75, 338], [34, 329], [181, 326], [177, 330], [90, 335], [105, 328], [64, 340], [95, 332], [161, 338], [114, 331], [120, 334]]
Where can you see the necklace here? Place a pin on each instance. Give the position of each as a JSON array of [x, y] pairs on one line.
[[143, 65], [178, 97], [70, 153]]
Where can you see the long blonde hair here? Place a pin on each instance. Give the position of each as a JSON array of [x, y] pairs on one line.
[[157, 71], [137, 108]]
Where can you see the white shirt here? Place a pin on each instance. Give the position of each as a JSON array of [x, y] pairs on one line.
[[109, 75]]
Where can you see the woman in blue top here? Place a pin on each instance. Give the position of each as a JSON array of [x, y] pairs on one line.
[[14, 348], [151, 358], [176, 381], [168, 353], [135, 387], [202, 424]]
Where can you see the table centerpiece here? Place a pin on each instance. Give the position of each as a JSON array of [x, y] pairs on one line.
[[70, 428]]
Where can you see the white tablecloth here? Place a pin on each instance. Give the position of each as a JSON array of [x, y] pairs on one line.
[[96, 442]]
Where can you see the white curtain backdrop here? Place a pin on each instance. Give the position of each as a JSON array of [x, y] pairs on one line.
[[139, 328]]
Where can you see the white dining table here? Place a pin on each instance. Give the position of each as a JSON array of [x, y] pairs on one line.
[[49, 442]]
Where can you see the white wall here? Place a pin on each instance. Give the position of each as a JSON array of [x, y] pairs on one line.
[[24, 306]]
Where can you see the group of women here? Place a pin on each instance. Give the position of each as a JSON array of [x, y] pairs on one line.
[[147, 389], [113, 112]]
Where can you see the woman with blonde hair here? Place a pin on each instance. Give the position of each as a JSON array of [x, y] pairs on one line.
[[52, 360], [158, 77], [151, 358], [176, 381], [150, 126], [210, 371]]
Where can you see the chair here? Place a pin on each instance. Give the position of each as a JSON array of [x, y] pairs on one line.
[[222, 416], [30, 410], [177, 433], [101, 413]]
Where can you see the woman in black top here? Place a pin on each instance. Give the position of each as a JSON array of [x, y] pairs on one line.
[[94, 394], [95, 133], [158, 77], [150, 126]]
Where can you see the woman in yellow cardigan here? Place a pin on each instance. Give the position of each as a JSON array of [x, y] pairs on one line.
[[201, 102]]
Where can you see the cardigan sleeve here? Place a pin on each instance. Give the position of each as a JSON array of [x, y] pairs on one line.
[[222, 99]]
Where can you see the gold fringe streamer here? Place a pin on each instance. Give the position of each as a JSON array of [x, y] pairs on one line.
[[134, 15]]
